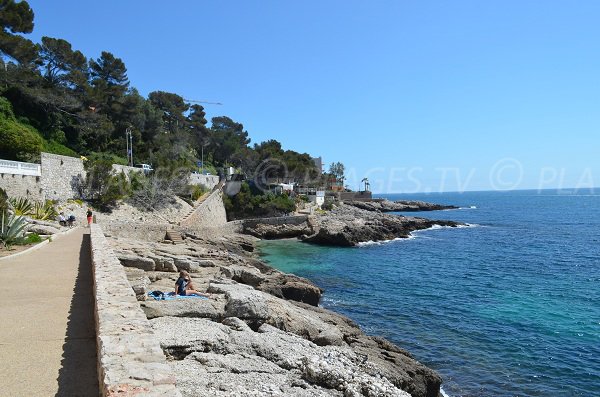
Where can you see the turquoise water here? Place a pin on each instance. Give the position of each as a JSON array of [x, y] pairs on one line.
[[507, 307]]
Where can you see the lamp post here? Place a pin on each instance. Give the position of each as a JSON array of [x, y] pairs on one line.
[[129, 140]]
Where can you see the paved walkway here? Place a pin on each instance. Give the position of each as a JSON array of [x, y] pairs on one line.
[[47, 336]]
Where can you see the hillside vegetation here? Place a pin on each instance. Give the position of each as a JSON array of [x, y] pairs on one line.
[[55, 98]]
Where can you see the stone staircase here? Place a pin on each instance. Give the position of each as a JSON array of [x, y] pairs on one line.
[[199, 202], [194, 207], [174, 236]]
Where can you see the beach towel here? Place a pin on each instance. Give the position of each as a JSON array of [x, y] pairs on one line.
[[159, 295]]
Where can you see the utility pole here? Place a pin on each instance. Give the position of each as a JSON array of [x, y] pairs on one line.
[[129, 140]]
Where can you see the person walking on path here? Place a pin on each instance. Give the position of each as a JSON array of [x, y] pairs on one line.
[[89, 217]]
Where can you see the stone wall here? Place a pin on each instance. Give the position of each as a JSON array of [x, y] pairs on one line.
[[22, 186], [130, 359], [118, 168], [210, 181], [275, 221], [61, 176], [354, 196], [137, 230], [211, 213]]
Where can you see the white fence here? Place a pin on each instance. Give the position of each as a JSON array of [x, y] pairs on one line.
[[18, 168]]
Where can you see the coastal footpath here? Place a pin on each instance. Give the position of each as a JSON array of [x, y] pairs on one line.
[[261, 331]]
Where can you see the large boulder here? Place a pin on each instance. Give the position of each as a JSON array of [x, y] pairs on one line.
[[187, 264], [43, 229], [242, 301], [139, 262], [185, 307], [223, 360]]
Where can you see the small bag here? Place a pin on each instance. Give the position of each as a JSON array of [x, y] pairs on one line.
[[158, 295]]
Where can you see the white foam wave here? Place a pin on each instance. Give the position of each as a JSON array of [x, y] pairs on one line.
[[444, 393], [471, 207], [381, 242], [413, 236]]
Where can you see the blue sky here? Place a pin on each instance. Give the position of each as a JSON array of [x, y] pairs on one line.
[[416, 95]]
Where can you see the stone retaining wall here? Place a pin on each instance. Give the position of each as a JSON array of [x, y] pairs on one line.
[[61, 176], [210, 181], [17, 185], [130, 359], [211, 213], [279, 220], [137, 230]]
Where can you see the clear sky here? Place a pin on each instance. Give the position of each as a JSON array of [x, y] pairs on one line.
[[414, 95]]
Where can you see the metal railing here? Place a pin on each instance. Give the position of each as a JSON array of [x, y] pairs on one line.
[[19, 168]]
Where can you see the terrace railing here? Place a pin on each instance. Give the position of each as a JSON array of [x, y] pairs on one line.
[[19, 168]]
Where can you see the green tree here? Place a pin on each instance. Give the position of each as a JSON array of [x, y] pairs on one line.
[[109, 83], [16, 18], [173, 108], [226, 137], [109, 70], [61, 64], [269, 149], [337, 170]]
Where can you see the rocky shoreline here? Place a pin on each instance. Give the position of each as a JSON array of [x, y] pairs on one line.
[[347, 225], [261, 333], [399, 206]]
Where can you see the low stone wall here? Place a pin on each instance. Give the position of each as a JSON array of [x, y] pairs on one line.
[[354, 196], [118, 168], [130, 360], [210, 181], [275, 221], [137, 230]]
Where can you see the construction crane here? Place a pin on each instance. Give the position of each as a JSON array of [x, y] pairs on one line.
[[207, 102]]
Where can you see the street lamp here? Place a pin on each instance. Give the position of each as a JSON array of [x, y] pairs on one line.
[[129, 140]]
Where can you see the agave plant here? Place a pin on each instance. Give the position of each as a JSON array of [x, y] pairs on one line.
[[44, 211], [12, 230], [21, 205]]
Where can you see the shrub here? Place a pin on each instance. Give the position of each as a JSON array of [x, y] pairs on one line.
[[18, 141], [102, 185], [21, 205], [55, 147], [76, 201], [108, 157], [44, 211], [198, 191], [245, 204], [327, 205], [3, 201], [12, 230], [159, 189], [32, 238]]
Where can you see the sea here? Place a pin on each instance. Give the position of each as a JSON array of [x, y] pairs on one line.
[[508, 306]]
